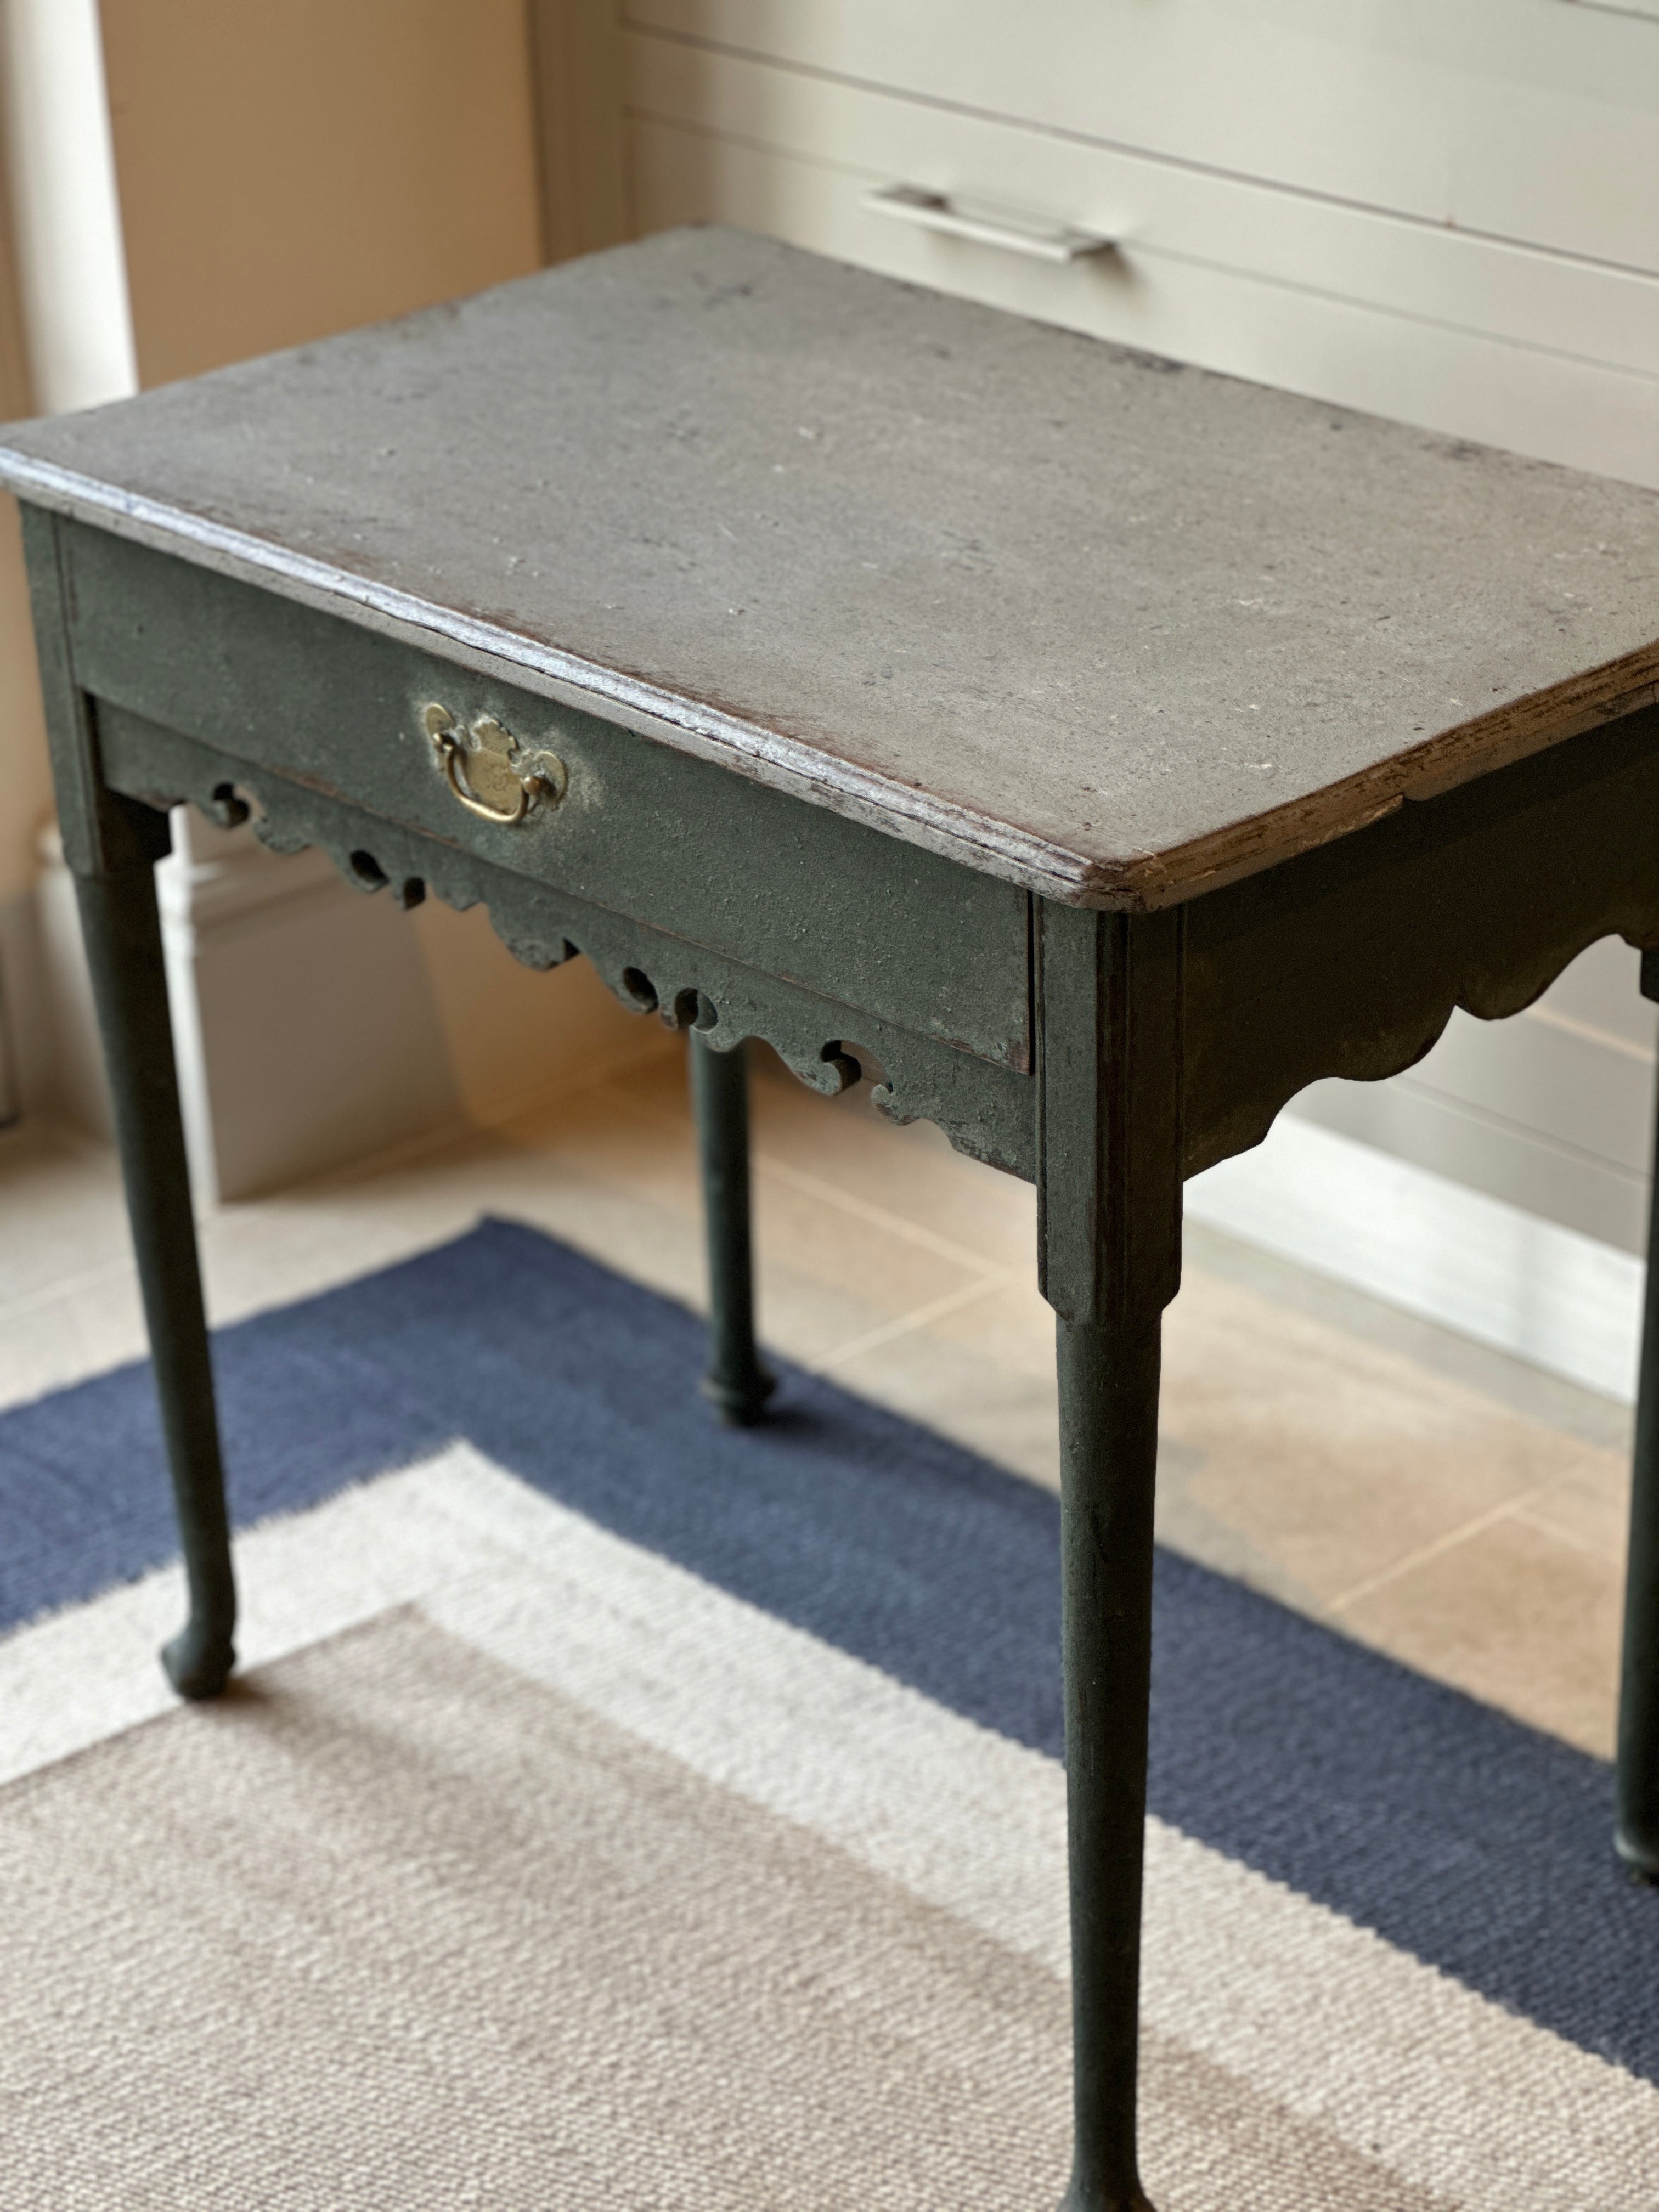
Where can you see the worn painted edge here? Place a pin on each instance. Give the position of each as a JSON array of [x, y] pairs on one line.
[[1451, 757], [1141, 882], [689, 724]]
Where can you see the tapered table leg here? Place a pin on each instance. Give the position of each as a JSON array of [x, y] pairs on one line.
[[736, 1384], [1108, 1379], [1637, 1832], [122, 936], [1111, 1091]]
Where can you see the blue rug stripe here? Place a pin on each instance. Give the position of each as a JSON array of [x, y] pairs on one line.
[[1479, 1845]]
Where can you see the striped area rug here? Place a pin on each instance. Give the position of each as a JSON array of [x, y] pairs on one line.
[[618, 1811]]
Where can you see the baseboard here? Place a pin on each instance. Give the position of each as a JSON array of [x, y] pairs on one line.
[[26, 1038], [1472, 1263]]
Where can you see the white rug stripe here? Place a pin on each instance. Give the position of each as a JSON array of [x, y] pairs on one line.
[[75, 1677], [1452, 2093]]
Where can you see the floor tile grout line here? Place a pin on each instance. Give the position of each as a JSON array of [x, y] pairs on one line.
[[1449, 1542], [864, 1209], [1615, 1554], [904, 1325], [767, 1162], [45, 1295]]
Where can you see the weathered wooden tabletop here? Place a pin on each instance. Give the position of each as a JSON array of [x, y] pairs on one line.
[[1111, 628]]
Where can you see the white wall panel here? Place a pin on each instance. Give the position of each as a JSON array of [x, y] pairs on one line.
[[1533, 119], [1159, 209]]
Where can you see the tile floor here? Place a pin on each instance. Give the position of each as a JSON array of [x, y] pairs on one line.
[[1447, 1505]]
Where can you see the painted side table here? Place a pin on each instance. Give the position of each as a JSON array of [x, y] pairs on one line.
[[1094, 750]]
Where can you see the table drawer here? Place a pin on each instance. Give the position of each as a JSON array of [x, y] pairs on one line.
[[616, 821]]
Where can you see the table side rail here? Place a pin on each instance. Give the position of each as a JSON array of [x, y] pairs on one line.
[[1350, 960]]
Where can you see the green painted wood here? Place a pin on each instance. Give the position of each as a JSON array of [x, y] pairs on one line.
[[111, 844], [1109, 1392], [803, 893], [737, 1384], [122, 935], [1637, 1833], [1349, 961], [94, 839], [986, 1110], [1110, 1001]]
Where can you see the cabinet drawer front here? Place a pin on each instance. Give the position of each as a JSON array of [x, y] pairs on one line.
[[1522, 122], [676, 842], [1353, 298]]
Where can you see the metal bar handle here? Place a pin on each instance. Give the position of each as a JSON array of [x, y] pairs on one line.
[[931, 210]]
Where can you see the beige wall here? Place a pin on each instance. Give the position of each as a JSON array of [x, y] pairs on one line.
[[289, 170], [577, 51]]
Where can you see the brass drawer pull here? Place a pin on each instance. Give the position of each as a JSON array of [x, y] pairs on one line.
[[492, 775]]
